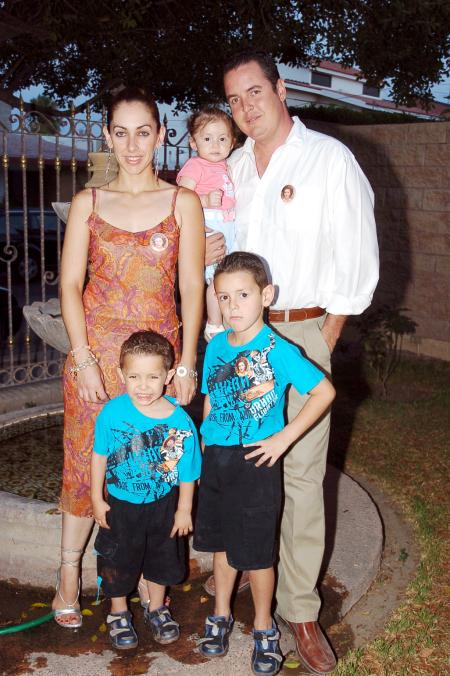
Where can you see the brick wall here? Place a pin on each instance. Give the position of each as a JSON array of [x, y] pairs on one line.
[[409, 169]]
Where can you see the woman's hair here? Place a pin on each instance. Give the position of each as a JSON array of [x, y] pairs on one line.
[[147, 342], [208, 114], [242, 261], [128, 95]]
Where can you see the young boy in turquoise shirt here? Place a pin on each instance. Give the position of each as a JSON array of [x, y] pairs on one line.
[[146, 447], [245, 375]]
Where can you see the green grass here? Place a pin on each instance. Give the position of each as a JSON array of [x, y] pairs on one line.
[[401, 444]]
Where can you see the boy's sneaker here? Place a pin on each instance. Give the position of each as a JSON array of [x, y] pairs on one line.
[[217, 632], [162, 625], [121, 631], [266, 657]]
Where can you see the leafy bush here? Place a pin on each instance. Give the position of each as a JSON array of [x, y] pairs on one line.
[[381, 333]]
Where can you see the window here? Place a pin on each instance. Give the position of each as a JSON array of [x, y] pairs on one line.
[[371, 91], [320, 79]]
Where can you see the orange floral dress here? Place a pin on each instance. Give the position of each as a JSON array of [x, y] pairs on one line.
[[131, 288]]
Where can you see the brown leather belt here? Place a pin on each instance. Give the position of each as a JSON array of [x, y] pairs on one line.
[[297, 315]]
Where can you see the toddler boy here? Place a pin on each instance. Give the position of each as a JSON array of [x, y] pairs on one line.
[[246, 372], [147, 447]]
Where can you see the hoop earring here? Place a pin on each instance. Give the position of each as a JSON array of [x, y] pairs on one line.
[[108, 164], [156, 162]]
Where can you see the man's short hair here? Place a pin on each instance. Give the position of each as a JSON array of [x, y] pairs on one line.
[[148, 343], [242, 261], [265, 62]]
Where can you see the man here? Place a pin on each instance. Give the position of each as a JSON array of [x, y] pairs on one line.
[[321, 248]]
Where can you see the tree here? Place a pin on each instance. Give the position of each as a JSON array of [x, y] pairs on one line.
[[44, 116], [176, 49]]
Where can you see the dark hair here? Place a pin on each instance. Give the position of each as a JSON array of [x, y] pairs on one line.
[[241, 261], [129, 94], [147, 342], [265, 62], [206, 115]]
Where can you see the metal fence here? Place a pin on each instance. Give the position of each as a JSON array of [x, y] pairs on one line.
[[45, 160]]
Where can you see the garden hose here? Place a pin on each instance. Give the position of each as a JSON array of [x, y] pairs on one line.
[[26, 625]]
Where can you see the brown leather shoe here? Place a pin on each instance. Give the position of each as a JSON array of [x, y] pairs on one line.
[[312, 646]]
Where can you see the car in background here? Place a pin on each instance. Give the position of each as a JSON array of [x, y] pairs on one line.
[[17, 239]]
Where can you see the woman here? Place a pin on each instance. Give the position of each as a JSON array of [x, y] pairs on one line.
[[130, 236]]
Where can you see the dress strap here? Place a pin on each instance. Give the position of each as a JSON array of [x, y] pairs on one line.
[[174, 200], [94, 197]]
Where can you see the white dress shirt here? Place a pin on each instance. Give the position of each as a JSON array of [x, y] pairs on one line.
[[321, 245]]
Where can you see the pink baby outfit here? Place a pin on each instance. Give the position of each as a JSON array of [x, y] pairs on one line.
[[210, 176]]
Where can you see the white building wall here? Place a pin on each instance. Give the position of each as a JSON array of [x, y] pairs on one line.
[[298, 73], [341, 84]]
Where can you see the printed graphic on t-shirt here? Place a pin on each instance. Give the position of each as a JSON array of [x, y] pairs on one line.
[[145, 463], [228, 191], [228, 186], [242, 391]]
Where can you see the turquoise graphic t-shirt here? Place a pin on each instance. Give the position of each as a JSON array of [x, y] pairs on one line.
[[147, 457], [247, 383]]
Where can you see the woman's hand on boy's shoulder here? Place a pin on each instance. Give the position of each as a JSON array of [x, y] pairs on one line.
[[269, 450]]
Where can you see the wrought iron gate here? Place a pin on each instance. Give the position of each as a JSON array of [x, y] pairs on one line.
[[45, 160]]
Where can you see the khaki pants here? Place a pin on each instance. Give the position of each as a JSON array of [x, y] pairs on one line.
[[303, 525]]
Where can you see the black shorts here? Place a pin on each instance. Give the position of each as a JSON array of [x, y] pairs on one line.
[[138, 541], [239, 508]]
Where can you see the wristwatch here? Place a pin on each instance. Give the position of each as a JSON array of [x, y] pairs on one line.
[[183, 371]]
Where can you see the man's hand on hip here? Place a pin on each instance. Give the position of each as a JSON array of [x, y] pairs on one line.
[[332, 328]]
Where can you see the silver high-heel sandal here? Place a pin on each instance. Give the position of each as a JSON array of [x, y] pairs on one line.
[[69, 607]]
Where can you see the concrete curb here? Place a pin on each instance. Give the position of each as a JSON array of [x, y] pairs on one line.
[[30, 539], [353, 555], [31, 395]]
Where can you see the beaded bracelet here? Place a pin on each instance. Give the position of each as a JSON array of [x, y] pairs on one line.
[[83, 347], [83, 365], [77, 349]]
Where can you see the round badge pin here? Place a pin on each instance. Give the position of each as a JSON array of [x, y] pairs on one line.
[[287, 193], [159, 242]]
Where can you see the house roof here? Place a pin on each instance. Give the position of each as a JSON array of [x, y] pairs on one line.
[[338, 68], [435, 111]]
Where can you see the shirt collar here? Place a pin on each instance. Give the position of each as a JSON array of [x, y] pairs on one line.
[[295, 136]]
